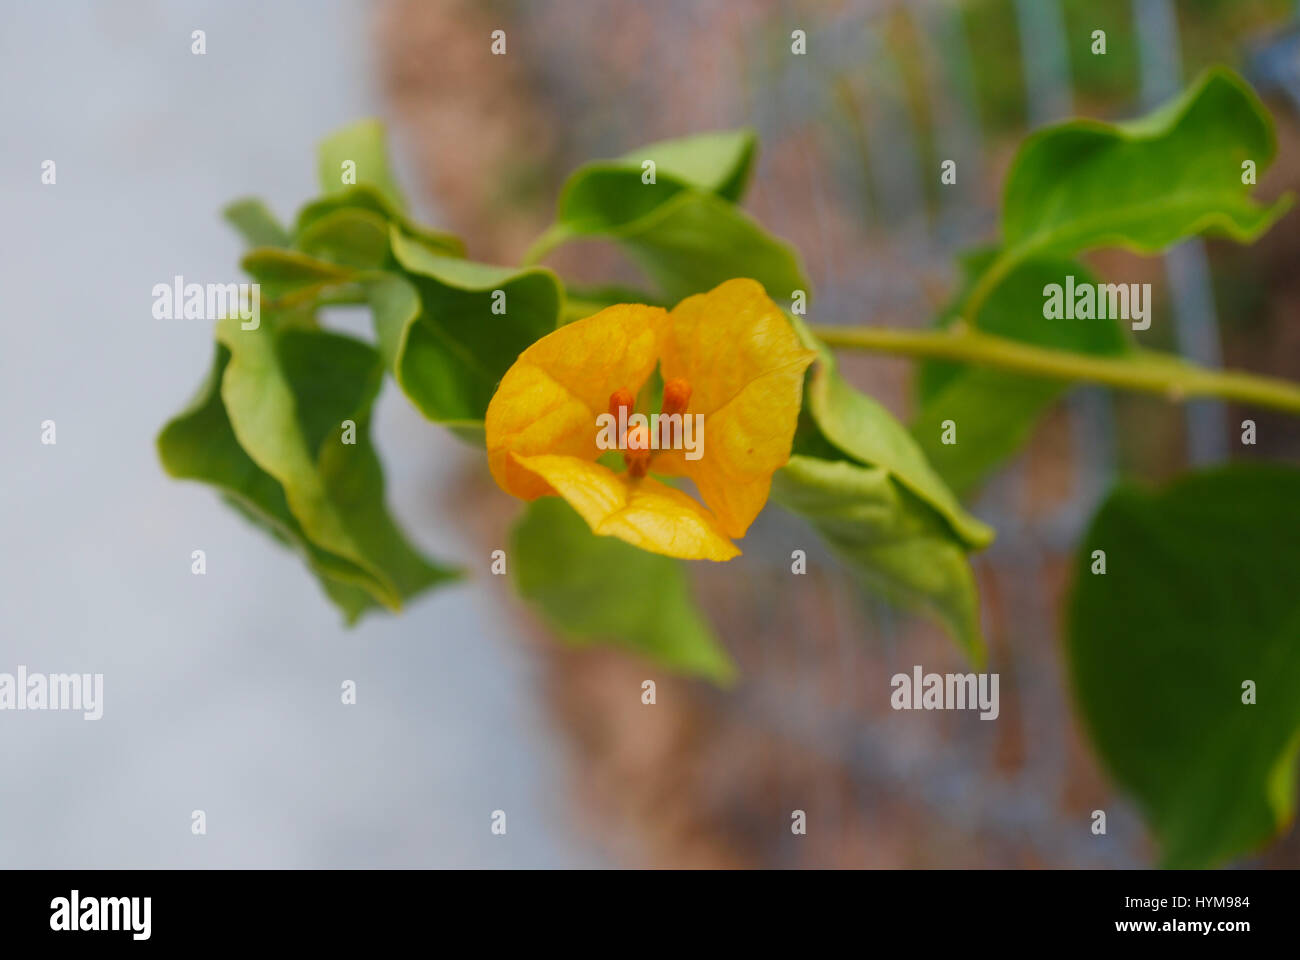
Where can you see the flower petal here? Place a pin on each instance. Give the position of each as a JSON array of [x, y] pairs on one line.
[[646, 513], [549, 399], [746, 366]]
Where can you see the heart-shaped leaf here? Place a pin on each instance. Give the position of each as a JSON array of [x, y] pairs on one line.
[[1143, 186]]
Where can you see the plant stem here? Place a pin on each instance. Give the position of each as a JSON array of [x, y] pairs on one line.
[[548, 241], [351, 295], [328, 294], [1143, 370]]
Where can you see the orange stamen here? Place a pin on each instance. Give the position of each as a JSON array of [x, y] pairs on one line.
[[677, 394], [637, 455], [619, 400], [636, 442]]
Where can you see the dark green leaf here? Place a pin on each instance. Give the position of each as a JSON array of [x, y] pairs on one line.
[[995, 412], [1198, 597], [438, 331], [601, 589]]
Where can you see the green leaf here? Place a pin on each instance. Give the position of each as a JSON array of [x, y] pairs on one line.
[[434, 320], [372, 187], [199, 444], [288, 394], [1143, 185], [428, 376], [354, 480], [349, 236], [697, 241], [362, 146], [861, 480], [1198, 597], [862, 429], [995, 412], [995, 416], [601, 589], [255, 223], [893, 543], [719, 161], [439, 334], [684, 229], [367, 199], [607, 195]]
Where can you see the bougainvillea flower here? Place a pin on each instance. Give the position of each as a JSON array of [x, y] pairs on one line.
[[729, 359]]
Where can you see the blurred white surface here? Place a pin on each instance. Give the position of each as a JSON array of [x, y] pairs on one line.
[[222, 692]]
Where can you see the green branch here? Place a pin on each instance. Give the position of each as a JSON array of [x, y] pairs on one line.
[[555, 235], [1143, 370]]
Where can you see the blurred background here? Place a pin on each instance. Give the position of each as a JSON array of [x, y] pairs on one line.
[[222, 691]]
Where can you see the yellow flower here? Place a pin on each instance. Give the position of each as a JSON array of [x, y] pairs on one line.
[[731, 363]]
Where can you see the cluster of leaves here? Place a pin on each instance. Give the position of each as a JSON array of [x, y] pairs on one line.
[[265, 430], [266, 427]]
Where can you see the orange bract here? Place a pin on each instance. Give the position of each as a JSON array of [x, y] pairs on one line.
[[728, 356]]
